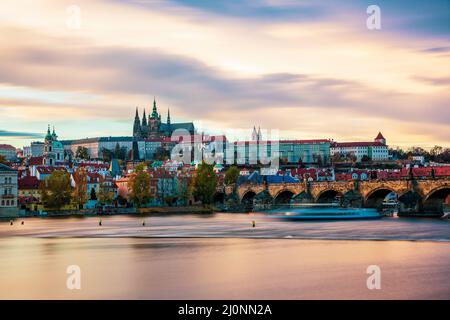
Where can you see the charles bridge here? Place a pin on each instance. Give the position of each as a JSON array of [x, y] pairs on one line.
[[414, 195]]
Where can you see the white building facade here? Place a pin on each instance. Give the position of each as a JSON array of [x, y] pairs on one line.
[[376, 150], [8, 190]]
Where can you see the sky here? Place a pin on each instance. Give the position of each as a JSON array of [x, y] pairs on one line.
[[310, 69]]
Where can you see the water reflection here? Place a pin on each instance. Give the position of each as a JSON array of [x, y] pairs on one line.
[[221, 268]]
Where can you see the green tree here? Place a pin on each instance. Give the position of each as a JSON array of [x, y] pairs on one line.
[[205, 183], [55, 190], [184, 189], [82, 153], [139, 186], [107, 154], [120, 152], [79, 194], [231, 176]]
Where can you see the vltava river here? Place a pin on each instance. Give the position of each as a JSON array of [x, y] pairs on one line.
[[222, 257]]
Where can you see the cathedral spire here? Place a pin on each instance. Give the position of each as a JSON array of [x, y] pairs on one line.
[[154, 111], [136, 125], [168, 116], [144, 119]]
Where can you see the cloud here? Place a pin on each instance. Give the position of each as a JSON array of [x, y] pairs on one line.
[[16, 134], [235, 67]]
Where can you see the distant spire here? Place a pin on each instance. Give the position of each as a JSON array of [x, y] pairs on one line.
[[154, 111], [144, 119], [168, 116], [259, 133], [136, 125], [48, 137], [254, 134]]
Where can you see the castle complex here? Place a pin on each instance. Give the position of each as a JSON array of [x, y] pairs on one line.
[[152, 127]]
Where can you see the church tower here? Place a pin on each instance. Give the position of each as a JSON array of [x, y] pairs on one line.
[[144, 126], [137, 125], [53, 149], [154, 122]]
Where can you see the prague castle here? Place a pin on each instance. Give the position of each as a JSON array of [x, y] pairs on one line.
[[152, 127]]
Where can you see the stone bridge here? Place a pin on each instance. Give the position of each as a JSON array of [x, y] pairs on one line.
[[424, 195]]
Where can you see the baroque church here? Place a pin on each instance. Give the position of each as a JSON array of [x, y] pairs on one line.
[[53, 149], [152, 127]]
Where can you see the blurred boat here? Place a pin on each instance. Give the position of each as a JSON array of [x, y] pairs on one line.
[[324, 213]]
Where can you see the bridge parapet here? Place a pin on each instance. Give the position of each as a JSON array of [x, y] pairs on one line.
[[422, 187], [340, 187]]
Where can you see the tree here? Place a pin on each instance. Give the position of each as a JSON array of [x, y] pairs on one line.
[[82, 153], [120, 152], [107, 154], [231, 176], [139, 186], [55, 190], [3, 159], [106, 195], [79, 194], [365, 158], [184, 188], [205, 183], [93, 195]]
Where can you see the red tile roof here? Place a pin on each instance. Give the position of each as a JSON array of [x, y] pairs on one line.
[[35, 161], [379, 136], [28, 182], [48, 169], [7, 147], [358, 144]]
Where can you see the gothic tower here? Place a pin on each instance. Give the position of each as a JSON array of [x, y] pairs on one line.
[[137, 125], [144, 126], [154, 122]]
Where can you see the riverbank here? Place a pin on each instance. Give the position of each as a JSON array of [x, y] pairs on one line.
[[112, 211]]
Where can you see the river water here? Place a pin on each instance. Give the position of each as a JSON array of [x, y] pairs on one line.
[[222, 256]]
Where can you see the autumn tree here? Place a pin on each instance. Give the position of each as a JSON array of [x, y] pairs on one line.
[[3, 160], [231, 176], [56, 190], [79, 194], [205, 183], [139, 186]]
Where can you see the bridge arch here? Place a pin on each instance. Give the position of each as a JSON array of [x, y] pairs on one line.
[[284, 196], [375, 198], [327, 195], [433, 202]]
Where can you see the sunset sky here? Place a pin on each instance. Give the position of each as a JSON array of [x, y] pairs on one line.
[[309, 68]]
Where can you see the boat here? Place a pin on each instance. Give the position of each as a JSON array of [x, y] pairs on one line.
[[325, 213], [389, 208]]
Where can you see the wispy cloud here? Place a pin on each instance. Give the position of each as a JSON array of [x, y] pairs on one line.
[[17, 134], [309, 68]]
